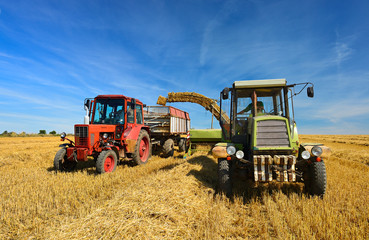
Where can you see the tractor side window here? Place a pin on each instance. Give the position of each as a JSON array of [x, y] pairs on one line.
[[225, 122], [139, 114], [244, 106], [130, 113], [279, 105], [99, 113]]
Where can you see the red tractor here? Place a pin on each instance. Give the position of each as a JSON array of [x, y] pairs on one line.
[[113, 129]]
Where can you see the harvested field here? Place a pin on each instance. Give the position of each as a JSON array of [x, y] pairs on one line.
[[174, 198]]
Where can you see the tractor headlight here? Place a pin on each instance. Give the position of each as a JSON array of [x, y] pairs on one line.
[[240, 154], [316, 151], [305, 155], [63, 135], [231, 150], [105, 136]]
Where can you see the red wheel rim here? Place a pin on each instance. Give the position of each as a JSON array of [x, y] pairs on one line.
[[144, 149], [109, 164]]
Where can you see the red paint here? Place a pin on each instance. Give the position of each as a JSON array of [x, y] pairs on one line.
[[175, 112], [109, 164], [229, 158], [70, 152], [318, 159], [144, 149], [82, 154], [134, 131]]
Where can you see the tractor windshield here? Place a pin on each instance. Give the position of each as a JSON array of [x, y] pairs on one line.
[[109, 111], [269, 102]]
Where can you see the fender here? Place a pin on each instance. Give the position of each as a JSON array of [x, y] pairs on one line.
[[130, 136], [66, 145]]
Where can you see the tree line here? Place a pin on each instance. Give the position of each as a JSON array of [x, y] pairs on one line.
[[24, 134]]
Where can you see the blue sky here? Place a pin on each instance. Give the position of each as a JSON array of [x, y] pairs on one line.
[[53, 54]]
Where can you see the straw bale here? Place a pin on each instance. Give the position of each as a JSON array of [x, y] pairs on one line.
[[208, 103], [161, 100]]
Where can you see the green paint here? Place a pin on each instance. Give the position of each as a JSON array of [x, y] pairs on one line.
[[205, 135]]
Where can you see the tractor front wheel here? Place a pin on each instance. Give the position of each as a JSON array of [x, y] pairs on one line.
[[61, 163], [106, 161], [224, 177], [142, 151], [316, 182]]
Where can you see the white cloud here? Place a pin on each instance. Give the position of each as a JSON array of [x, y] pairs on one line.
[[37, 101], [343, 51], [336, 111]]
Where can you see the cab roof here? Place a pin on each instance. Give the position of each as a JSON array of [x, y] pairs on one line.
[[117, 97], [260, 83]]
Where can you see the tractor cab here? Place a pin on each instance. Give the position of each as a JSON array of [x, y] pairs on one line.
[[113, 110]]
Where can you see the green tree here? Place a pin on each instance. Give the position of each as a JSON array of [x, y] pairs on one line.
[[42, 132], [52, 132]]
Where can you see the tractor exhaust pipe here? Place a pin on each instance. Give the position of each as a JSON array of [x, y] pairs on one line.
[[87, 118]]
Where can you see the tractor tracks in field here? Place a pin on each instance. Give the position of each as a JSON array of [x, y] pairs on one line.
[[147, 190]]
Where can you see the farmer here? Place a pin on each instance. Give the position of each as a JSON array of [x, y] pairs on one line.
[[259, 108]]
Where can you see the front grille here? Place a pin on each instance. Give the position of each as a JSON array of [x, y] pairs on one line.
[[272, 133], [81, 136]]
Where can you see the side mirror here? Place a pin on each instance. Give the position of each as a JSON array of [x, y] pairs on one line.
[[87, 104], [225, 93], [310, 92]]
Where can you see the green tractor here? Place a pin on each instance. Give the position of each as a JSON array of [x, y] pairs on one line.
[[260, 139]]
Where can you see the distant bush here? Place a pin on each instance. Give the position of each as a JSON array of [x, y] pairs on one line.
[[42, 132]]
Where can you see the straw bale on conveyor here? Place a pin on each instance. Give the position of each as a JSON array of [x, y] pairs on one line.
[[208, 103]]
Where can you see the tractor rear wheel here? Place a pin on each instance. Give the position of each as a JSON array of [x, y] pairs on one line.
[[168, 147], [316, 183], [224, 177], [106, 161], [61, 163], [142, 151]]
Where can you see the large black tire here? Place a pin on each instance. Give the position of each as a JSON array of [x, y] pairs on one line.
[[316, 183], [224, 177], [168, 147], [182, 145], [106, 161], [61, 163], [143, 148]]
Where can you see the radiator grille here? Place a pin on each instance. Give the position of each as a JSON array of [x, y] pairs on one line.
[[272, 133], [81, 136]]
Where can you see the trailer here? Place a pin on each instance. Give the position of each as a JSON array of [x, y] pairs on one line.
[[169, 127]]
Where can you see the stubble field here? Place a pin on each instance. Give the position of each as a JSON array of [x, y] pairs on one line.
[[174, 198]]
